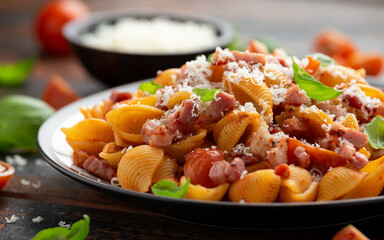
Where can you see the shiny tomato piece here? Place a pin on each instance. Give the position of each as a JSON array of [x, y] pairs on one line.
[[312, 66], [50, 21], [199, 162], [58, 93], [6, 173]]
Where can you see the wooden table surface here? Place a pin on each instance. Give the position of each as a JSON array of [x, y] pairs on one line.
[[56, 197]]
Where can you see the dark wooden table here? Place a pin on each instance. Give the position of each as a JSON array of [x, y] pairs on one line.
[[56, 197]]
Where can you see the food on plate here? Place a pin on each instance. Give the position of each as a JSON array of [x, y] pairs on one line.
[[344, 50], [6, 173], [58, 93], [159, 35], [50, 21], [242, 127]]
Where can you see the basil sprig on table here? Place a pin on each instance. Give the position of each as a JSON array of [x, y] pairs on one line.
[[14, 74], [323, 59], [78, 231], [168, 188], [206, 94], [313, 88], [150, 87], [375, 132]]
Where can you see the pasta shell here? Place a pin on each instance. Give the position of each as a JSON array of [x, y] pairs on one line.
[[178, 97], [127, 121], [217, 73], [257, 166], [372, 165], [233, 126], [286, 194], [372, 91], [351, 122], [137, 167], [112, 153], [167, 77], [338, 182], [274, 77], [298, 181], [371, 186], [168, 170], [333, 75], [92, 147], [249, 90], [198, 192], [180, 149], [87, 112], [148, 100], [90, 129], [259, 186]]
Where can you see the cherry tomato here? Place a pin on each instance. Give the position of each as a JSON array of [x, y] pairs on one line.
[[59, 93], [50, 20], [198, 163], [6, 173]]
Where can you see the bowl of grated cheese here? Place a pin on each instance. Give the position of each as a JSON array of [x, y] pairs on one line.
[[122, 46]]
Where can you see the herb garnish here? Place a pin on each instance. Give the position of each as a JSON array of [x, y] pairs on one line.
[[323, 59], [206, 94], [375, 132], [150, 87], [168, 188], [14, 74]]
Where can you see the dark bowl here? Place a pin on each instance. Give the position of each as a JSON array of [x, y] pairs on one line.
[[116, 68]]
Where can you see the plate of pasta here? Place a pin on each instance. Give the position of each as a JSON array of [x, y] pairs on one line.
[[242, 139]]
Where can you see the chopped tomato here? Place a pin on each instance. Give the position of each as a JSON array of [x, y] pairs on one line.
[[6, 173], [58, 93], [312, 65], [199, 162], [371, 62]]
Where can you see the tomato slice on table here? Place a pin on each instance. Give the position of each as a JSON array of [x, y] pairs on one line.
[[6, 173]]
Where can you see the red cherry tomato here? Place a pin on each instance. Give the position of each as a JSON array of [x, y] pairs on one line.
[[199, 162], [52, 18], [6, 173]]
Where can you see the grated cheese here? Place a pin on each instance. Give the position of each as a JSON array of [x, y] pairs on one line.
[[12, 219], [16, 160], [62, 224], [37, 219]]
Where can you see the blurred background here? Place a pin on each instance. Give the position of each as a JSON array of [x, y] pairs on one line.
[[294, 23]]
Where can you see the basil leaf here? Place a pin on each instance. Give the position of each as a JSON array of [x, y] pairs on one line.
[[375, 132], [209, 58], [150, 87], [21, 117], [78, 231], [270, 42], [323, 59], [168, 188], [313, 88], [206, 94], [12, 75]]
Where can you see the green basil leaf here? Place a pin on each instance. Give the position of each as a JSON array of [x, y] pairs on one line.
[[313, 88], [78, 231], [12, 75], [375, 132], [209, 58], [270, 42], [168, 188], [206, 94], [323, 59], [150, 87], [21, 117]]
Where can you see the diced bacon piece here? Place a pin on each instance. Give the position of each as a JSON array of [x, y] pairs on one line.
[[359, 161], [356, 159], [222, 171], [331, 109], [278, 155], [295, 127], [257, 47], [117, 96], [295, 96], [155, 134], [79, 157], [222, 103], [219, 58], [353, 101], [99, 168], [183, 119], [358, 139], [283, 170], [58, 93], [302, 156], [260, 142]]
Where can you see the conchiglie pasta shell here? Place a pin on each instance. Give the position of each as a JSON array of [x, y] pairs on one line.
[[351, 122], [127, 121], [217, 73], [87, 112], [333, 75], [372, 165], [372, 91], [257, 166], [298, 181], [371, 186], [198, 192], [233, 126], [121, 142], [92, 147], [286, 194], [100, 109], [112, 153], [167, 77], [259, 186], [274, 77], [180, 149], [168, 170], [137, 167], [338, 182], [249, 90], [148, 100], [365, 152], [91, 129], [178, 97]]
